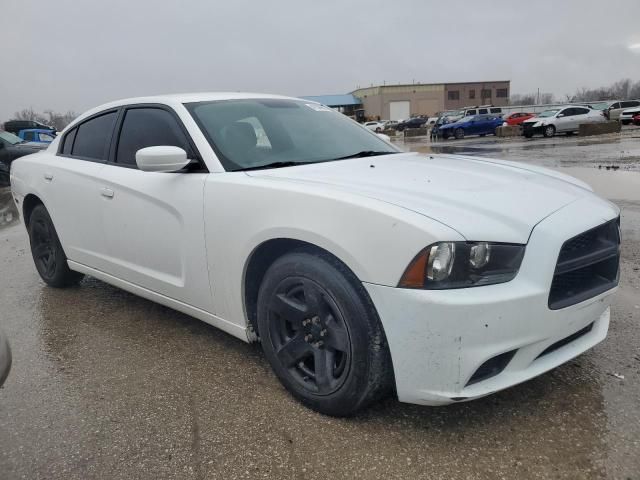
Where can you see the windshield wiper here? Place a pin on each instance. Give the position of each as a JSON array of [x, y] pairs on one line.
[[365, 153], [271, 165]]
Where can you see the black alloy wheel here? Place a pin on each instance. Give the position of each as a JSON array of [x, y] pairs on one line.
[[309, 335], [48, 255], [321, 334]]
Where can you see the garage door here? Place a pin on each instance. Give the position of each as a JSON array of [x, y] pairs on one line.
[[399, 110]]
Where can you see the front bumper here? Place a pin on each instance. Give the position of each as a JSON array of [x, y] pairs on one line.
[[530, 129], [440, 338]]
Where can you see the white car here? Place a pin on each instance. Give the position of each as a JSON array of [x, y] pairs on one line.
[[361, 269], [626, 117], [615, 109], [561, 120], [376, 126]]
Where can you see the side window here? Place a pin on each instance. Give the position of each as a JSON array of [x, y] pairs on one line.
[[614, 106], [483, 111], [148, 127], [45, 137], [28, 136], [495, 110], [470, 112], [629, 104], [581, 111], [68, 142], [92, 137], [568, 112]]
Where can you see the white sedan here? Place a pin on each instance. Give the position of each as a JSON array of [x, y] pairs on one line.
[[561, 120], [376, 126], [362, 270]]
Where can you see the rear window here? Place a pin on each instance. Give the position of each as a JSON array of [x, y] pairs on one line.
[[629, 104], [93, 137]]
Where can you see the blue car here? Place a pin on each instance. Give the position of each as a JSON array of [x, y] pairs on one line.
[[37, 135], [473, 125]]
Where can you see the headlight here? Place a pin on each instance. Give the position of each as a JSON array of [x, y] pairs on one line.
[[538, 124], [463, 264]]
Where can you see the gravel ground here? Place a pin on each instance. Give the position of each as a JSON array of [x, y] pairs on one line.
[[108, 385]]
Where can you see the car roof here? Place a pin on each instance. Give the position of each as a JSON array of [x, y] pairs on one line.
[[180, 98]]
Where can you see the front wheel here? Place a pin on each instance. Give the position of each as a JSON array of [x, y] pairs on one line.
[[459, 133], [321, 335], [549, 131], [47, 252]]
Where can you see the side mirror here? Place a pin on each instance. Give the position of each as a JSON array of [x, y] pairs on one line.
[[161, 159], [560, 115], [384, 137]]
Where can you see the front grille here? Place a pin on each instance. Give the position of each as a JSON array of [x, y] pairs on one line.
[[566, 340], [587, 266]]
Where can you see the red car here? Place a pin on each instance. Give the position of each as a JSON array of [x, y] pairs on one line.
[[636, 119], [518, 118]]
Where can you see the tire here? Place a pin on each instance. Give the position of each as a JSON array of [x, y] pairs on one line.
[[549, 131], [459, 133], [313, 311], [47, 252], [528, 135], [378, 130], [445, 135], [569, 134], [625, 122], [482, 135]]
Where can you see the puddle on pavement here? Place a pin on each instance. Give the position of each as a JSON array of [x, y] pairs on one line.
[[8, 211]]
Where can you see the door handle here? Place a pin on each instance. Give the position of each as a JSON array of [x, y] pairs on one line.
[[48, 177], [106, 192]]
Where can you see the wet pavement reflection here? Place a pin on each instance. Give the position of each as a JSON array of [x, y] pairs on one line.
[[109, 385]]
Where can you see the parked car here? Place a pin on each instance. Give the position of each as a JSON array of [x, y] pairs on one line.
[[390, 124], [415, 122], [615, 109], [375, 126], [626, 116], [12, 147], [14, 126], [5, 358], [358, 267], [517, 118], [474, 125], [480, 110], [452, 115], [560, 120], [37, 135]]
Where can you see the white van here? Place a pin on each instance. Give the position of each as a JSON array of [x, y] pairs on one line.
[[480, 110]]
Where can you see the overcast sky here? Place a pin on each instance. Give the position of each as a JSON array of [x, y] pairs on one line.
[[76, 54]]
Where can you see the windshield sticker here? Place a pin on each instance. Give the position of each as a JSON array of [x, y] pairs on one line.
[[317, 107]]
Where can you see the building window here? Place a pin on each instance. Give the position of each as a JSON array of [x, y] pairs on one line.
[[454, 95], [486, 93], [502, 93], [472, 94]]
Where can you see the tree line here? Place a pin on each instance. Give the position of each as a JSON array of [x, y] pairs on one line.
[[48, 117], [620, 90]]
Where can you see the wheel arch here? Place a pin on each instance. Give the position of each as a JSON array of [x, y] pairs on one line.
[[30, 202], [259, 261]]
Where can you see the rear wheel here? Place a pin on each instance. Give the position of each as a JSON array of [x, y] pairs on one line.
[[549, 131], [528, 135], [321, 335], [47, 252], [459, 133]]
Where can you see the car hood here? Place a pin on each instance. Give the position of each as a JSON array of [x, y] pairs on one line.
[[482, 199]]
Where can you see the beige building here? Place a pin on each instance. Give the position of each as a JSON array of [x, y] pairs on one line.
[[398, 102]]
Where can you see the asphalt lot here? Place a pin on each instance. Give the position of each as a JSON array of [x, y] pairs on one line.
[[108, 385]]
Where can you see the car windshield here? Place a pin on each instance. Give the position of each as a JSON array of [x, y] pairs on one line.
[[599, 105], [255, 133], [548, 113], [10, 138]]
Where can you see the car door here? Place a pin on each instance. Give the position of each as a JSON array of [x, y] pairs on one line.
[[563, 120], [153, 221], [580, 116], [70, 188]]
